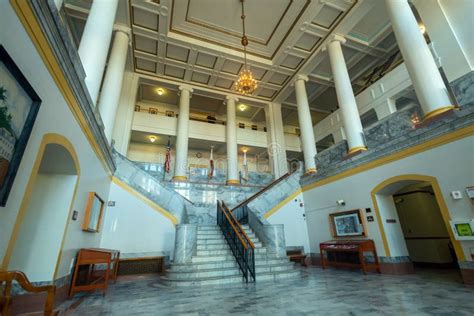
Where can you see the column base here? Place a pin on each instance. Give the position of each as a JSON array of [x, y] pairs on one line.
[[435, 113], [232, 182], [179, 179], [356, 150]]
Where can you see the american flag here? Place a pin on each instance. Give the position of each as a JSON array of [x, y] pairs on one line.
[[168, 158], [211, 163]]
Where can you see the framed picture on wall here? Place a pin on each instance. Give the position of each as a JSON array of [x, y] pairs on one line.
[[19, 105], [347, 224], [93, 215]]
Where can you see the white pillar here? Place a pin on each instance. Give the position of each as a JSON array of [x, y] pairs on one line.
[[231, 141], [424, 74], [345, 97], [306, 126], [385, 109], [276, 139], [182, 134], [126, 109], [95, 43], [110, 94]]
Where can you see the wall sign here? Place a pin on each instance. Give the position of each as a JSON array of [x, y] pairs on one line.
[[370, 218]]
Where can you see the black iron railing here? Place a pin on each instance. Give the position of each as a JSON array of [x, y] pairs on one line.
[[241, 246]]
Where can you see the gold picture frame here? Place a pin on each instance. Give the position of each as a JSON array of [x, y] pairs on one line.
[[93, 214], [348, 224]]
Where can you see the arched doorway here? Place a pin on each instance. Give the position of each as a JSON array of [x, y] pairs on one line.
[[41, 224], [414, 222]]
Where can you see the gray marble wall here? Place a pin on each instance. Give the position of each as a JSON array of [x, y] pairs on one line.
[[185, 244], [271, 236]]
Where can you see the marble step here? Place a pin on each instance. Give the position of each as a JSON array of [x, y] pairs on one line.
[[209, 237], [273, 268], [202, 228], [211, 242], [259, 257], [219, 258], [225, 251], [209, 232], [204, 266], [213, 247], [270, 261], [192, 275], [203, 281]]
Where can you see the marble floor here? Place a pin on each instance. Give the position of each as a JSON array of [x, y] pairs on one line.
[[317, 292]]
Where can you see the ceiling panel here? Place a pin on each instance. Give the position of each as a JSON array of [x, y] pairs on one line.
[[307, 41], [327, 17], [291, 62], [278, 78], [175, 72], [177, 52], [145, 44], [224, 83], [145, 19], [146, 65], [231, 67], [267, 93], [200, 77], [205, 60]]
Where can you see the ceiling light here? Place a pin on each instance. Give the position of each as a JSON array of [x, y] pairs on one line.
[[246, 83], [245, 149], [152, 138], [422, 28], [242, 107], [160, 91]]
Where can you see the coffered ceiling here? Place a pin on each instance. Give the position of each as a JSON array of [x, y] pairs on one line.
[[198, 42]]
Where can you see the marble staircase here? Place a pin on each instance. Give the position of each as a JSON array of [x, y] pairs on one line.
[[214, 263]]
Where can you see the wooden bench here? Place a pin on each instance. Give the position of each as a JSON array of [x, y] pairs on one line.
[[6, 282], [297, 256]]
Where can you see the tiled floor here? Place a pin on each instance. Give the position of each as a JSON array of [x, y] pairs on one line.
[[317, 292]]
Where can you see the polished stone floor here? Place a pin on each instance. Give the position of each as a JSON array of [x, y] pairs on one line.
[[317, 292]]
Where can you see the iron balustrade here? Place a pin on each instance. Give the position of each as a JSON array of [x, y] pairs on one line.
[[241, 246]]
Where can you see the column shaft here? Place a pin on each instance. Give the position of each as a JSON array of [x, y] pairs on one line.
[[182, 134], [95, 43], [345, 98], [306, 125], [276, 139], [231, 142], [110, 94], [429, 86]]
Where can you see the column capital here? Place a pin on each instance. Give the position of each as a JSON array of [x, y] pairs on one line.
[[301, 77], [231, 97], [123, 29], [185, 88], [334, 38]]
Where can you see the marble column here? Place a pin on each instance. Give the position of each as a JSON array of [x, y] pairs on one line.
[[231, 142], [306, 126], [185, 243], [95, 43], [385, 109], [424, 74], [345, 97], [182, 134], [110, 94], [276, 139]]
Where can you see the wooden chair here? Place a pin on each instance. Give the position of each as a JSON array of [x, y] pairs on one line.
[[6, 281]]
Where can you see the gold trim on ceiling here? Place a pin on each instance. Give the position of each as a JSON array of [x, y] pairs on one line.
[[180, 60], [238, 48], [143, 26], [237, 34]]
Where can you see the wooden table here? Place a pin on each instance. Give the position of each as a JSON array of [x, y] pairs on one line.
[[352, 249], [92, 281]]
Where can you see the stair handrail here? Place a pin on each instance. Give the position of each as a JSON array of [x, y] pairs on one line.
[[243, 253], [239, 227], [268, 187]]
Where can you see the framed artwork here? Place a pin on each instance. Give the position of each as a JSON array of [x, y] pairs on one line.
[[19, 105], [347, 224], [93, 215]]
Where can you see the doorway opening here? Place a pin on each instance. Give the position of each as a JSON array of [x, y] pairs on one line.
[[414, 222], [44, 217]]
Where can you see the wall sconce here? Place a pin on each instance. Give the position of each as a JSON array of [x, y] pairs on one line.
[[152, 138]]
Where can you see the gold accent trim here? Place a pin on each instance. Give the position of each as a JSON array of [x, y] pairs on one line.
[[232, 182], [436, 142], [310, 170], [439, 199], [32, 27], [432, 114], [146, 200], [281, 204], [356, 149], [180, 178], [50, 138]]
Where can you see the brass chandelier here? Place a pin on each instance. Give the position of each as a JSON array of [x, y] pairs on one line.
[[246, 83]]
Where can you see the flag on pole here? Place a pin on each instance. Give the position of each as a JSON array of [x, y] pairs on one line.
[[168, 157], [211, 163]]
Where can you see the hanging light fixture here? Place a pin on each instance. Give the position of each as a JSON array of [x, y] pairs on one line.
[[246, 83]]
